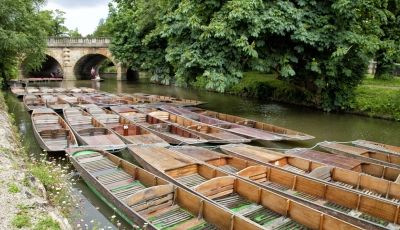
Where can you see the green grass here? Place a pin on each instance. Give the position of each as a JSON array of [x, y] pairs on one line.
[[21, 220], [13, 188], [47, 223], [377, 101], [369, 80]]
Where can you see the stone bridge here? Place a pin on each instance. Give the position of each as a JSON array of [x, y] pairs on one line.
[[73, 58]]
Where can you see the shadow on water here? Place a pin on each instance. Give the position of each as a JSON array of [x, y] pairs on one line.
[[324, 126]]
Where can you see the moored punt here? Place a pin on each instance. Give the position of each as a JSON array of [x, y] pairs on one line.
[[319, 190], [147, 200], [91, 133], [173, 134], [72, 100], [127, 130], [45, 90], [60, 90], [75, 90], [32, 102], [167, 99], [210, 133], [285, 133], [377, 146], [88, 90], [32, 90], [57, 104], [248, 132], [18, 91], [349, 173], [260, 206], [51, 131], [376, 157]]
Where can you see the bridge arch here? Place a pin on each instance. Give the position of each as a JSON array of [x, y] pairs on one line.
[[51, 67], [78, 55]]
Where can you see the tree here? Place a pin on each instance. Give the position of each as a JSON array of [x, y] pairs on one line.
[[22, 36], [54, 22], [389, 50], [322, 47], [74, 33], [102, 29]]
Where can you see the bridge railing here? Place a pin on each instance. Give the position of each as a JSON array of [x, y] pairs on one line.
[[81, 42]]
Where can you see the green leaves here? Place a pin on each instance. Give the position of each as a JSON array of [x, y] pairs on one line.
[[321, 47]]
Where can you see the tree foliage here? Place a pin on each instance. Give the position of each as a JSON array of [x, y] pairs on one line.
[[22, 36], [322, 47]]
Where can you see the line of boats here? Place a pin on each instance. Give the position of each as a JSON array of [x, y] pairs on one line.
[[184, 184]]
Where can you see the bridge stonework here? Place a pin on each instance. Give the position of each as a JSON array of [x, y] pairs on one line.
[[69, 51]]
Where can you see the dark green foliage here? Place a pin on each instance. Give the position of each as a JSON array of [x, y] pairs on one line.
[[321, 48], [22, 36]]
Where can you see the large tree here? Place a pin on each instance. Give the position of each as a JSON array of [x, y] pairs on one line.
[[322, 47], [22, 36]]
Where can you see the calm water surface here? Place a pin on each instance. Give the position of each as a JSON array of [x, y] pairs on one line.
[[324, 126]]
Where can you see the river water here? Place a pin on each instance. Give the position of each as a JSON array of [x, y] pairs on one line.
[[93, 213]]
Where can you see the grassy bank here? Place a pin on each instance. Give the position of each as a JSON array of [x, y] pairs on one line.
[[377, 98], [38, 189]]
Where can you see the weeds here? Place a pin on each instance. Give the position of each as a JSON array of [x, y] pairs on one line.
[[13, 188], [22, 219], [47, 223]]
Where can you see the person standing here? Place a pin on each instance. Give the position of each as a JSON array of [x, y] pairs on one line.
[[93, 73]]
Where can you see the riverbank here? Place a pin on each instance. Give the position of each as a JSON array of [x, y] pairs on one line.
[[34, 192], [374, 98]]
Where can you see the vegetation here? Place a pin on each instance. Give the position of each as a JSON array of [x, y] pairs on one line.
[[22, 35], [22, 219], [374, 97], [321, 48], [47, 223], [13, 188]]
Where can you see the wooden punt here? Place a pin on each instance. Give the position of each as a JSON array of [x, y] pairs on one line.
[[60, 90], [248, 132], [18, 91], [258, 205], [72, 100], [88, 90], [285, 133], [75, 90], [377, 146], [171, 133], [32, 102], [148, 201], [91, 133], [127, 130], [57, 104], [210, 133], [45, 90], [376, 157], [167, 99], [51, 131], [32, 90], [321, 189], [300, 160]]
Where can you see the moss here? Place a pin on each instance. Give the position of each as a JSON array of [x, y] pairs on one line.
[[47, 223], [13, 188], [21, 220]]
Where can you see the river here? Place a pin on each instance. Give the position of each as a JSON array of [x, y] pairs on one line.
[[93, 213]]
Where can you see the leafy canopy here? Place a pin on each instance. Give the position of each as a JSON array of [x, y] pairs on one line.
[[322, 47]]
